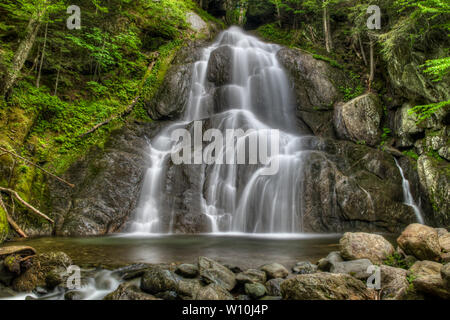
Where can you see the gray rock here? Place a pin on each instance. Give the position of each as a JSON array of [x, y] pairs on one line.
[[213, 272], [356, 268], [157, 280], [187, 270], [394, 283], [273, 287], [304, 267], [188, 288], [132, 271], [325, 286], [325, 264], [129, 291], [167, 295], [406, 126], [359, 119], [251, 276], [213, 292], [274, 270], [255, 290], [219, 71]]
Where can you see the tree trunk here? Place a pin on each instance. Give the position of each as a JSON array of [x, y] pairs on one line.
[[21, 55], [363, 53], [42, 56], [326, 30], [56, 82], [372, 64]]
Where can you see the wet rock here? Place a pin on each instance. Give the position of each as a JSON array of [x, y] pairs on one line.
[[394, 282], [188, 288], [356, 268], [213, 292], [73, 295], [255, 290], [274, 298], [360, 245], [167, 295], [273, 287], [325, 264], [54, 278], [157, 280], [243, 297], [420, 241], [435, 181], [187, 270], [251, 276], [325, 286], [219, 71], [40, 266], [12, 263], [233, 268], [129, 291], [274, 270], [304, 267], [132, 271], [359, 119], [213, 272], [406, 126]]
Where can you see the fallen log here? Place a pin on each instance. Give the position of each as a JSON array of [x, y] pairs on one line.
[[11, 221]]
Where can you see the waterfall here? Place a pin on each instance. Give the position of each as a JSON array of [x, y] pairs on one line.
[[236, 197], [407, 195]]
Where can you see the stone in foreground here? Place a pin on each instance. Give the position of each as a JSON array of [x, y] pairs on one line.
[[420, 241], [274, 270], [360, 245], [325, 286]]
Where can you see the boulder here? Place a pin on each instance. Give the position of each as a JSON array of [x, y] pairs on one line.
[[213, 272], [356, 268], [273, 287], [325, 286], [187, 270], [213, 292], [157, 280], [274, 270], [406, 126], [188, 288], [445, 274], [304, 267], [425, 268], [394, 283], [255, 290], [129, 291], [444, 242], [432, 285], [251, 276], [359, 119], [132, 271], [220, 66], [360, 245], [420, 241], [325, 264]]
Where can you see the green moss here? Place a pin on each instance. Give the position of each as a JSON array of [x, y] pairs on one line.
[[396, 260], [411, 153], [4, 227], [333, 62]]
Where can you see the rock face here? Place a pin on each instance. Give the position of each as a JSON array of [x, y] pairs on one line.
[[219, 66], [361, 245], [108, 183], [359, 119], [325, 286], [435, 181], [420, 241]]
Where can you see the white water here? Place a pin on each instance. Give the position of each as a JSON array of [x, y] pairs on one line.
[[236, 198], [407, 195]]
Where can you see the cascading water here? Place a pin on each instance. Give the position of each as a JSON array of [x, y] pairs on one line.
[[407, 195], [236, 198]]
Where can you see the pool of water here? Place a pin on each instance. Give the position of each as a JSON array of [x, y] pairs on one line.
[[241, 250]]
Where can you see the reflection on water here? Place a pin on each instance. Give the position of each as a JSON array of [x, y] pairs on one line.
[[237, 249]]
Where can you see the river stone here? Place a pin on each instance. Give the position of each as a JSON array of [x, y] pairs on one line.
[[132, 271], [157, 280], [220, 66], [432, 285], [213, 292], [420, 241], [167, 295], [325, 286], [274, 270], [425, 268], [356, 268], [273, 287], [251, 276], [213, 272], [73, 295], [188, 288], [243, 297], [129, 291], [304, 267], [393, 282], [255, 290], [325, 264], [445, 274], [360, 245], [359, 119], [187, 270]]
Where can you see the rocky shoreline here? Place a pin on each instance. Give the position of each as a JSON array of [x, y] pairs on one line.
[[418, 268]]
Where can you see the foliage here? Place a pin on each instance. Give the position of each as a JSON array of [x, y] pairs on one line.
[[396, 260]]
